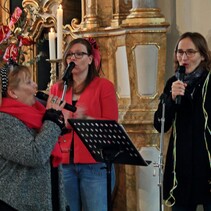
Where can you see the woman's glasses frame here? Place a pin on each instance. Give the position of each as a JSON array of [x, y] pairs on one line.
[[189, 52], [77, 55]]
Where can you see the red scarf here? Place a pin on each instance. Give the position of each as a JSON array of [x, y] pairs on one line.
[[32, 117]]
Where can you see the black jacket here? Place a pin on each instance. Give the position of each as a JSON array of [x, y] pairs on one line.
[[192, 162]]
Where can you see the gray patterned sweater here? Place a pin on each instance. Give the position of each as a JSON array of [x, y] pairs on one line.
[[25, 173]]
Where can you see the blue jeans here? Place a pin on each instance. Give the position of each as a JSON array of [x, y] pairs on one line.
[[192, 208], [86, 186]]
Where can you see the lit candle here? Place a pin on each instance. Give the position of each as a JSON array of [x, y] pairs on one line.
[[52, 47], [59, 17]]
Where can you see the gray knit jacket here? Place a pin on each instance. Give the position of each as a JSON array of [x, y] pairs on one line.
[[25, 173]]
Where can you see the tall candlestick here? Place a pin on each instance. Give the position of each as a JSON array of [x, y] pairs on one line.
[[52, 47], [59, 17]]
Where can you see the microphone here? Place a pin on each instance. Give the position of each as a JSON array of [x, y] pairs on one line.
[[181, 75], [68, 71], [44, 97]]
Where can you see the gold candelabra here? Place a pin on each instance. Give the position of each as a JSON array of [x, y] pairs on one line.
[[53, 73]]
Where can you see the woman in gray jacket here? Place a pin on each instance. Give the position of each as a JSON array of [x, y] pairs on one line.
[[30, 176]]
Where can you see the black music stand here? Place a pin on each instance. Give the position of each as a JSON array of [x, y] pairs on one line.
[[107, 142]]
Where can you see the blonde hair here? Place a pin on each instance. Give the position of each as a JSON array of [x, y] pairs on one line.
[[15, 74]]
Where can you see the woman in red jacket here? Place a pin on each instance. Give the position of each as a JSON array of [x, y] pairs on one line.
[[95, 98]]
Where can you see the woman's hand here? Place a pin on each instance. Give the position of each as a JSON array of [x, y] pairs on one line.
[[54, 102], [53, 111], [178, 88], [81, 113]]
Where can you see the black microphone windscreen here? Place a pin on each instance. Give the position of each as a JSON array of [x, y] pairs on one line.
[[181, 71], [68, 71], [42, 96], [181, 76]]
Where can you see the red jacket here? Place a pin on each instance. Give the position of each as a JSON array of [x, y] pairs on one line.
[[99, 99]]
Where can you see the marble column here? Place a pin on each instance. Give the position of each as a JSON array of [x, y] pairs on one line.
[[144, 12], [91, 17], [145, 51], [144, 3], [120, 11]]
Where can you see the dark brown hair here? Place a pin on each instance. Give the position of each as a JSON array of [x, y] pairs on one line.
[[201, 44]]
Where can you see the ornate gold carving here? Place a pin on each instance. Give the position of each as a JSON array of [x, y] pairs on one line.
[[39, 16], [4, 16]]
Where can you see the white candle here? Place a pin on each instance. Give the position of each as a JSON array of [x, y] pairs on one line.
[[59, 17], [52, 47]]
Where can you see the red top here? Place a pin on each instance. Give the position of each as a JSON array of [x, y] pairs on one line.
[[100, 101]]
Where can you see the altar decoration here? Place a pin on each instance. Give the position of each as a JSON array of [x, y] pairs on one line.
[[13, 38]]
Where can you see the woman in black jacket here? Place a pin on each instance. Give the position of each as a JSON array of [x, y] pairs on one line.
[[187, 175]]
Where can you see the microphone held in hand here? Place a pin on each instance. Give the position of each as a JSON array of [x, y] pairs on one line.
[[44, 97], [68, 71], [181, 75]]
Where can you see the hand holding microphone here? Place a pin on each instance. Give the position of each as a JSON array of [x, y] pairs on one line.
[[178, 87], [44, 97], [55, 103]]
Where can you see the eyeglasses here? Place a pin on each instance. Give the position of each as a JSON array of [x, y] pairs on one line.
[[189, 53], [77, 55]]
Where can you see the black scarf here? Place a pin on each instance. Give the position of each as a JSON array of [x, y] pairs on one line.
[[192, 77]]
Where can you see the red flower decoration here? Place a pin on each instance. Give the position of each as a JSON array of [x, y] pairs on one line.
[[15, 17], [95, 51], [14, 38], [11, 52], [4, 33], [24, 41]]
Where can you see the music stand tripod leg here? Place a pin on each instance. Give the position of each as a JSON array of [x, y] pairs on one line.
[[108, 174], [160, 165], [109, 156]]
